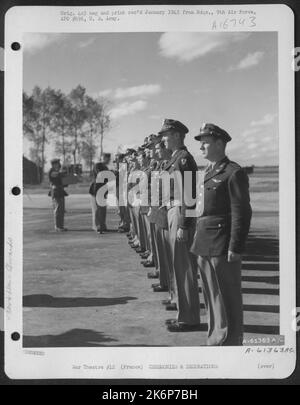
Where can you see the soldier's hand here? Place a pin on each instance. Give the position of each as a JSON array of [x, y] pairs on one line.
[[182, 235], [233, 257]]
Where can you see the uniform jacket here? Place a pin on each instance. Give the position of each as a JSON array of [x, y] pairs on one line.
[[148, 170], [94, 187], [56, 186], [157, 215], [224, 210], [182, 161]]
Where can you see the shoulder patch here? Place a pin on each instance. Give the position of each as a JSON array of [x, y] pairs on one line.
[[234, 165]]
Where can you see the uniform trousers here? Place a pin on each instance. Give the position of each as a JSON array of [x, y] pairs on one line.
[[185, 270], [98, 215], [152, 243], [59, 211], [133, 223], [164, 259], [145, 229], [124, 213], [222, 292], [140, 227]]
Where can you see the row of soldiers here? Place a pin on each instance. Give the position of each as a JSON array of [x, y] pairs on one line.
[[177, 245]]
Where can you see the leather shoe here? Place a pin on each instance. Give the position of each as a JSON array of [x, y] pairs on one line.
[[182, 327], [171, 307], [149, 264], [171, 321], [144, 261], [155, 285], [159, 288]]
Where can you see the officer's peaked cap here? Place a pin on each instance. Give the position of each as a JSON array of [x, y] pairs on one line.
[[175, 125], [213, 130]]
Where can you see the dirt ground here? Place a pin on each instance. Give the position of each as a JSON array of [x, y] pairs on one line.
[[84, 289]]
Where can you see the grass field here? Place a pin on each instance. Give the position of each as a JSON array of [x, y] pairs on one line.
[[83, 289]]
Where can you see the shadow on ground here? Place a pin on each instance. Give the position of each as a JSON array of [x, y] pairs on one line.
[[72, 338], [44, 300], [262, 248], [262, 329]]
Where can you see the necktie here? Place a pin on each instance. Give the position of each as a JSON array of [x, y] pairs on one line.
[[208, 169]]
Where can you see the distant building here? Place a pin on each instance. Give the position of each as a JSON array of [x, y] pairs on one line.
[[32, 174], [249, 169]]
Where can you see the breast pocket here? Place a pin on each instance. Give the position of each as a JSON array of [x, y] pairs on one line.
[[217, 227]]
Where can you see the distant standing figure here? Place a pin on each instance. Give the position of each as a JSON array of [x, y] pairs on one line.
[[58, 194], [98, 212]]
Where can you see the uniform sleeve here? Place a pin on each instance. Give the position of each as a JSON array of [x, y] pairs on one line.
[[241, 211], [188, 164]]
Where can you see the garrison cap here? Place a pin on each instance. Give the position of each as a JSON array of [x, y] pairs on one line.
[[175, 125], [213, 130], [56, 160]]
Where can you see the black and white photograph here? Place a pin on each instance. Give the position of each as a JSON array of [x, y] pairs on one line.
[[151, 190]]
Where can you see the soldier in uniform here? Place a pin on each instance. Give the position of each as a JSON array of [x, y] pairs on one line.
[[99, 212], [161, 234], [124, 222], [181, 229], [151, 260], [222, 227], [58, 194], [139, 243], [130, 220]]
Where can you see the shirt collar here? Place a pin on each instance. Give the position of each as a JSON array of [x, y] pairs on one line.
[[181, 148]]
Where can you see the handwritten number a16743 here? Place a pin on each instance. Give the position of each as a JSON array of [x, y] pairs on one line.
[[252, 22]]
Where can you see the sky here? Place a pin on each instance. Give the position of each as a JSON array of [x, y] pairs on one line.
[[229, 79]]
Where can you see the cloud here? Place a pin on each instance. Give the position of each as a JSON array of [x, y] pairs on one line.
[[144, 90], [252, 145], [103, 93], [267, 119], [187, 46], [252, 59], [128, 108], [250, 131], [34, 42], [87, 42], [268, 139]]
